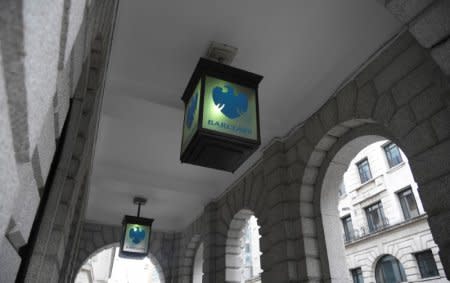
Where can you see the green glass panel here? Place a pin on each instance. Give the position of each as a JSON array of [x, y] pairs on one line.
[[136, 238], [191, 118], [230, 108]]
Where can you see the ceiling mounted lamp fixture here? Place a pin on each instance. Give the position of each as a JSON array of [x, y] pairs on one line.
[[221, 119], [136, 230]]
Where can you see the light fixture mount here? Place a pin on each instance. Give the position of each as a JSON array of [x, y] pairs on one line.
[[221, 52]]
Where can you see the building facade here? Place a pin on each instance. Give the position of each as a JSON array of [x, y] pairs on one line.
[[383, 218]]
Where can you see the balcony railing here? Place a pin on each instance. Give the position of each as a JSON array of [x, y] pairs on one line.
[[365, 231]]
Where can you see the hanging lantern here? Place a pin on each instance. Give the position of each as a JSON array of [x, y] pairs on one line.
[[221, 120], [136, 230]]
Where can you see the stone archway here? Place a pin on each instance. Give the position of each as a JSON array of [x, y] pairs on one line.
[[233, 250], [197, 267], [95, 237], [150, 257], [186, 265], [406, 103]]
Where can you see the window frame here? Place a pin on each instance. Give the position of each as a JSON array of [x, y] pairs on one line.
[[357, 274], [429, 253], [396, 265], [348, 233], [371, 226], [387, 153], [404, 203], [358, 164]]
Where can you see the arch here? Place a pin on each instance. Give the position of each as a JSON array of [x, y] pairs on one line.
[[365, 107], [329, 215], [388, 269], [197, 267], [95, 237], [233, 250], [150, 256], [186, 270]]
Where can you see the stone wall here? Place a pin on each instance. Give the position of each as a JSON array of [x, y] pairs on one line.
[[53, 58], [401, 242], [95, 237], [402, 95]]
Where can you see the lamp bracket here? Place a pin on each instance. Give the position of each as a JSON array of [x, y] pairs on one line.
[[139, 200], [221, 52]]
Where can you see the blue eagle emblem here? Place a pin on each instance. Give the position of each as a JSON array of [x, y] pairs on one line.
[[231, 104], [192, 106], [136, 234]]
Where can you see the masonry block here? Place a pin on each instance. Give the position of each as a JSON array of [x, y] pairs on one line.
[[441, 54], [49, 271], [295, 172], [431, 163], [306, 209], [415, 82], [428, 102], [9, 178], [273, 162], [384, 109], [399, 45], [406, 10], [433, 24], [46, 147], [310, 175], [441, 123], [63, 93], [291, 155], [366, 101], [306, 193], [304, 150], [440, 228], [325, 143], [9, 262], [276, 177], [75, 18], [329, 114], [338, 131], [402, 122], [317, 157], [419, 139], [28, 194], [399, 67], [346, 102], [308, 227], [434, 195], [294, 138], [314, 130], [42, 22]]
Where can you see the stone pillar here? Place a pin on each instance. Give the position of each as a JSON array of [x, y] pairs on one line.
[[211, 274]]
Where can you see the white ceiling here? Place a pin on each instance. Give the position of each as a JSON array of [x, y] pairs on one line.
[[304, 50]]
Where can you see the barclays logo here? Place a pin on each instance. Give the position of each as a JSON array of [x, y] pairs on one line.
[[230, 104], [136, 234], [192, 106]]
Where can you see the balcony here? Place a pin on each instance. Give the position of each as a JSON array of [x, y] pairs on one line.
[[366, 231]]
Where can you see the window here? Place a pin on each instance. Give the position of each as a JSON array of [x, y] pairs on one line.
[[393, 154], [408, 203], [375, 217], [389, 270], [364, 170], [348, 228], [357, 275], [427, 265]]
